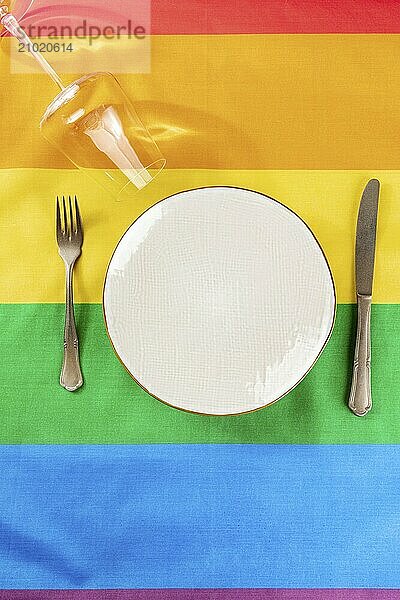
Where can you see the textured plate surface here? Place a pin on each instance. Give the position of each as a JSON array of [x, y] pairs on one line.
[[218, 300]]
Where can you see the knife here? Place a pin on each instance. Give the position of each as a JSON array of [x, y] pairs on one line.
[[360, 400]]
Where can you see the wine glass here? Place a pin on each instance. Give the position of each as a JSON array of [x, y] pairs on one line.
[[95, 125]]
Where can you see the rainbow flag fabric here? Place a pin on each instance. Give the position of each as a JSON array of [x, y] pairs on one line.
[[107, 494]]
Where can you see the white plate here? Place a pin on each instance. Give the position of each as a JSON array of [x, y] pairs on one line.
[[218, 300]]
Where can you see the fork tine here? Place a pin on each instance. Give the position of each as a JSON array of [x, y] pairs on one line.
[[71, 218], [58, 217], [64, 217], [78, 217]]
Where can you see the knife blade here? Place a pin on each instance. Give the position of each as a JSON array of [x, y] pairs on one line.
[[366, 238], [360, 400]]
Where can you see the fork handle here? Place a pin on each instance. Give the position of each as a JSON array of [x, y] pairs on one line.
[[71, 375], [360, 400]]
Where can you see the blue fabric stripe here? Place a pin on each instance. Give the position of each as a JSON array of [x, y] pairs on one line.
[[156, 516]]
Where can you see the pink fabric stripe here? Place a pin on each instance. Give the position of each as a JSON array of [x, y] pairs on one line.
[[203, 594]]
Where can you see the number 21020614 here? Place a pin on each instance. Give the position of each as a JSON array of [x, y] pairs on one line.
[[45, 47]]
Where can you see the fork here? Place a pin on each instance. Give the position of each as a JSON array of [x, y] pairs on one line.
[[69, 239]]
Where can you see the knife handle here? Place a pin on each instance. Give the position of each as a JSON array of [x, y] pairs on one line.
[[360, 400]]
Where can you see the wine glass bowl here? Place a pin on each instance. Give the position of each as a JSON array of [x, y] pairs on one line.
[[95, 125]]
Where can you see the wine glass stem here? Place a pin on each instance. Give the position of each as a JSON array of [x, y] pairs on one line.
[[11, 24]]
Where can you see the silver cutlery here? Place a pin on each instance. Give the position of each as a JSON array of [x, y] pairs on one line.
[[360, 400], [69, 238]]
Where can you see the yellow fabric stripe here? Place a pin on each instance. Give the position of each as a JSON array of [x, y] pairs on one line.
[[328, 201], [242, 102]]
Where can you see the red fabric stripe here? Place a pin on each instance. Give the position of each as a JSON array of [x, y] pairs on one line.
[[223, 17], [275, 16]]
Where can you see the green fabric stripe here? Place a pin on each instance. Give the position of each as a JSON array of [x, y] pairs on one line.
[[111, 408]]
